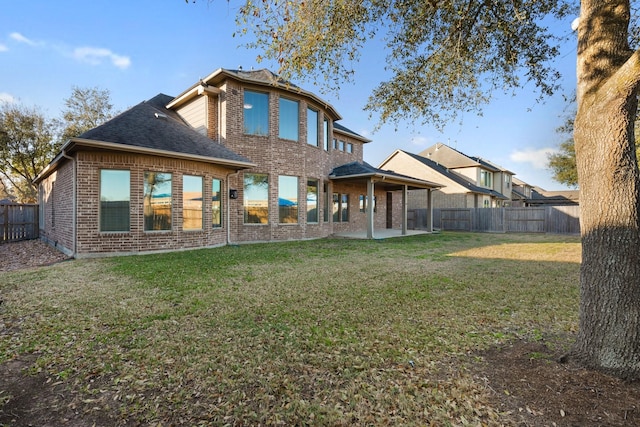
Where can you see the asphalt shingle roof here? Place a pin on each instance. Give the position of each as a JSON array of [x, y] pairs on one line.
[[150, 125], [365, 169], [455, 177]]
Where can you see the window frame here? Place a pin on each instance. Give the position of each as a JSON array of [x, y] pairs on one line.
[[313, 129], [218, 202], [144, 204], [101, 214], [284, 183], [184, 203], [280, 119], [313, 183], [257, 118], [246, 199]]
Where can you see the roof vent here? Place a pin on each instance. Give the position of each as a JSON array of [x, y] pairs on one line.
[[160, 115]]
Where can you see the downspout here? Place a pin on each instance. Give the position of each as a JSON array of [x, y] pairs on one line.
[[75, 200], [229, 206]]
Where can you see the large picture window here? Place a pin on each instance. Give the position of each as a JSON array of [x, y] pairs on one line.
[[256, 113], [157, 201], [192, 202], [288, 119], [312, 200], [216, 203], [287, 199], [256, 198], [115, 198], [312, 127]]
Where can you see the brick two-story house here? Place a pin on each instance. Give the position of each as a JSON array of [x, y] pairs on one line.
[[241, 156]]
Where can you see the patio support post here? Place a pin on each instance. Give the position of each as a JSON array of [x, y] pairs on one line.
[[429, 210], [404, 209], [370, 191]]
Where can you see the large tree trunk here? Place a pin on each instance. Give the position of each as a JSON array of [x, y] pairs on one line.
[[608, 73]]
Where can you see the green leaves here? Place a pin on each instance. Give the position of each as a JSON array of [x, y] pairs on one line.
[[443, 57]]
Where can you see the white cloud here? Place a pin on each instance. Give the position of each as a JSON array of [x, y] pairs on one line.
[[22, 39], [95, 56], [6, 97], [419, 141], [3, 48], [538, 158], [89, 55]]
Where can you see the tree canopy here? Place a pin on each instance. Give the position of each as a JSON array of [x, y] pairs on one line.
[[443, 58], [26, 147], [29, 140]]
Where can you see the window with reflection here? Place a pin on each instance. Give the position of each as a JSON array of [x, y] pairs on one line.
[[312, 200], [312, 127], [288, 119], [216, 203], [256, 113], [115, 200], [192, 202], [325, 135], [340, 207], [256, 198], [157, 201], [287, 199]]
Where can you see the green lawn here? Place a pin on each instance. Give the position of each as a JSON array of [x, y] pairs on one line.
[[323, 332]]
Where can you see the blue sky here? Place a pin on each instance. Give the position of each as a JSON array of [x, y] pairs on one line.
[[140, 48]]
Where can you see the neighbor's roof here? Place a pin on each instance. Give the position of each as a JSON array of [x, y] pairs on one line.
[[357, 170], [457, 178], [151, 128]]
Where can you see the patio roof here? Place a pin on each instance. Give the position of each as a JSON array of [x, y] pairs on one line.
[[389, 180]]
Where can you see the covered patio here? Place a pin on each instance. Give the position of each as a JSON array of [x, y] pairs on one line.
[[365, 174]]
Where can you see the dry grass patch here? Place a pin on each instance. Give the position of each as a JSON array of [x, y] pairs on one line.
[[327, 332]]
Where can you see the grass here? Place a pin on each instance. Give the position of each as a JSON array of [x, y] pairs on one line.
[[323, 332]]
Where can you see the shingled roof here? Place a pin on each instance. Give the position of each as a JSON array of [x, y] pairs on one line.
[[457, 178], [151, 128], [149, 125], [363, 170]]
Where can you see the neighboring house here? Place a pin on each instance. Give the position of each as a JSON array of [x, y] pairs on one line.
[[468, 184], [520, 193], [241, 156], [527, 195]]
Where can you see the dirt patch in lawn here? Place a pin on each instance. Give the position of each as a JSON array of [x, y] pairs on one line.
[[527, 381], [527, 385], [27, 254]]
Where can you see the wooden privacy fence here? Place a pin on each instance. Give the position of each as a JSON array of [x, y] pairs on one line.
[[547, 219], [18, 222]]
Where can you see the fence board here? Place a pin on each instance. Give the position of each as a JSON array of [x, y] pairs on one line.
[[548, 219], [18, 222]]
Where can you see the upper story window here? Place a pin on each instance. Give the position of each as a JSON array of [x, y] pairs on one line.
[[312, 127], [288, 119], [507, 180], [349, 147], [325, 135], [256, 113], [486, 179]]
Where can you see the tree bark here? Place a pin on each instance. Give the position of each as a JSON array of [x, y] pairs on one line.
[[608, 73]]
